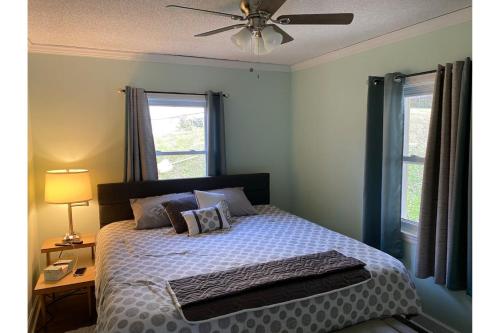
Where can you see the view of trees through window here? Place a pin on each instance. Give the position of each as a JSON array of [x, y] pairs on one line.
[[179, 135], [417, 117]]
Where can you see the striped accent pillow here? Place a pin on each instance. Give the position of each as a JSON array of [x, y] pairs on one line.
[[207, 219]]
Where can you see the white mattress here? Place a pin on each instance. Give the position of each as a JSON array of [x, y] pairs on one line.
[[133, 267]]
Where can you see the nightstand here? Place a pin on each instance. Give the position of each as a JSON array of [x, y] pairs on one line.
[[67, 283], [49, 246]]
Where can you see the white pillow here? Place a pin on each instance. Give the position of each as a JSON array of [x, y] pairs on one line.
[[208, 199], [239, 205], [149, 212]]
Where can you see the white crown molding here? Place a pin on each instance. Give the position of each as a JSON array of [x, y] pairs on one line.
[[457, 17], [152, 57]]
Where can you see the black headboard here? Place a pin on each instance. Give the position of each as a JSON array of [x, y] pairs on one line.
[[114, 204]]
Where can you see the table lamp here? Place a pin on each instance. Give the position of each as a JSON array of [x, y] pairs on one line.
[[71, 187]]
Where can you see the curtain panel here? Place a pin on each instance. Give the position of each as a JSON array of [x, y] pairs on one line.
[[383, 164], [444, 248], [140, 153], [216, 137]]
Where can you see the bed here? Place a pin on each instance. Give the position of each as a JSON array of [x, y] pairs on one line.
[[134, 266]]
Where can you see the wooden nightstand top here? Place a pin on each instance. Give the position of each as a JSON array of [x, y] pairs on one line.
[[69, 282], [49, 244]]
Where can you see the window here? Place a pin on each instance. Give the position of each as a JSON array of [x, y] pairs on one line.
[[179, 131], [417, 95]]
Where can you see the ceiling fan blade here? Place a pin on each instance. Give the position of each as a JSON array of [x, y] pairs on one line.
[[339, 18], [286, 37], [233, 16], [245, 7], [270, 6], [216, 31]]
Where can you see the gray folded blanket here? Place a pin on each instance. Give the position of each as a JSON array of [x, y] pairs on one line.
[[211, 295]]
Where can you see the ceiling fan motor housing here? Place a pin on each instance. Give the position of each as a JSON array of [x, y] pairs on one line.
[[257, 22]]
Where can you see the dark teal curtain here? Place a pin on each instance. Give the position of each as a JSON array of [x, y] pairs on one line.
[[373, 170], [383, 164], [216, 138]]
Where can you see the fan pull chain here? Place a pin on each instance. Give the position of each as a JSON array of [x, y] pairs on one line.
[[251, 71]]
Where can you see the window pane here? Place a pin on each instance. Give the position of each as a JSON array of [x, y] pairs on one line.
[[181, 166], [419, 113], [178, 128], [412, 190]]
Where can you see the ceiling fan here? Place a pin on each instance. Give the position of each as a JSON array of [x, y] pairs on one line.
[[260, 33]]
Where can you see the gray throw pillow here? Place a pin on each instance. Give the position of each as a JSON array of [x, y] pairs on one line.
[[239, 205], [149, 212]]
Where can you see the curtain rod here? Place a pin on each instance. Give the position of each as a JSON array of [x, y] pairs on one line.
[[401, 75], [416, 74], [419, 73], [173, 93]]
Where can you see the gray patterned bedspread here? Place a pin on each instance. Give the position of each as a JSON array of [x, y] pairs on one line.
[[133, 267]]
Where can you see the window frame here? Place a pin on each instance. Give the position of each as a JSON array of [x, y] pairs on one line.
[[182, 100], [420, 85]]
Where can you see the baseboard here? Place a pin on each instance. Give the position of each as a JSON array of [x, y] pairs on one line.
[[34, 313], [432, 324]]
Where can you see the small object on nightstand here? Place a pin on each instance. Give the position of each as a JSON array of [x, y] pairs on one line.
[[69, 262], [63, 244], [80, 271], [79, 241], [55, 272], [59, 269]]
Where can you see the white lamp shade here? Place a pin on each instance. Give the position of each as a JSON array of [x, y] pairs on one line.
[[67, 186], [258, 46], [271, 38], [242, 39]]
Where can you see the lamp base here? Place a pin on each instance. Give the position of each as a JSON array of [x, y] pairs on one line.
[[72, 238]]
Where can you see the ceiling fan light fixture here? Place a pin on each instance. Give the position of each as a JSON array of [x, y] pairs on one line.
[[242, 39], [259, 47], [258, 35], [271, 38]]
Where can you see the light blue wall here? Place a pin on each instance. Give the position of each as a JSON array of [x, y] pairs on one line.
[[328, 141], [77, 120]]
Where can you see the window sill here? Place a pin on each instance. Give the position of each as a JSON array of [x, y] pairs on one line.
[[409, 237], [409, 231]]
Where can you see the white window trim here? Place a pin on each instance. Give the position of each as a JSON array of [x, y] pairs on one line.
[[177, 100], [420, 80], [408, 227]]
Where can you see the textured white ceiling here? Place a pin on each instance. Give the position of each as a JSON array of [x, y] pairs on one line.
[[146, 26]]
